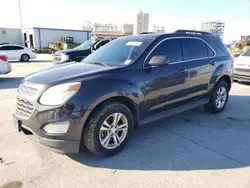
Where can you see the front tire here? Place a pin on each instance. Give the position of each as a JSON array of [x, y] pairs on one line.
[[218, 99], [108, 130]]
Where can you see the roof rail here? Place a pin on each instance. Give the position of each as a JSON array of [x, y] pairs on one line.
[[193, 32]]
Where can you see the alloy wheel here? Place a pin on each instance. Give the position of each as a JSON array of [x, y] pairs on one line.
[[113, 131], [221, 97]]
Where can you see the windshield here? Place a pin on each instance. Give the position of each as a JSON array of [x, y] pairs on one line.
[[86, 45], [119, 52], [246, 52]]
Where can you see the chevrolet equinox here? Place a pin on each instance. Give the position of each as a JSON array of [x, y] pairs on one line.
[[129, 82]]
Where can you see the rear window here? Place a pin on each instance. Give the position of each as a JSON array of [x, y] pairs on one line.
[[195, 49]]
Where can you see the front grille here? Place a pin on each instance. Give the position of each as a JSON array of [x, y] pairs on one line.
[[27, 90], [24, 108]]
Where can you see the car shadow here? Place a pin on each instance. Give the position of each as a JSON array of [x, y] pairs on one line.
[[244, 83], [193, 140], [10, 82]]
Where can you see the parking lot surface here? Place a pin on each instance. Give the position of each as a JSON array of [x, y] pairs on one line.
[[192, 149]]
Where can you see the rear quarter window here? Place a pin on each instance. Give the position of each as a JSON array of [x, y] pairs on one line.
[[218, 46]]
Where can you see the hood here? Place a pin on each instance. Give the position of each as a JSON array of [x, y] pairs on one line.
[[65, 72], [242, 62], [69, 51]]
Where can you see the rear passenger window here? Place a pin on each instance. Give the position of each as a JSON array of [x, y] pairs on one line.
[[210, 52], [169, 48], [194, 49]]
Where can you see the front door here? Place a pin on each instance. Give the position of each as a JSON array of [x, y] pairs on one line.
[[165, 87]]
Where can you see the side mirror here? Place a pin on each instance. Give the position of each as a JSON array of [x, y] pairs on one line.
[[158, 61]]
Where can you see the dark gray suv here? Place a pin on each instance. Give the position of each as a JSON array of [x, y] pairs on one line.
[[128, 82]]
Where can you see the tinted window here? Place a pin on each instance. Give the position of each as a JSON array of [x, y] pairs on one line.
[[169, 48], [102, 43], [218, 46], [2, 48], [194, 49], [16, 48], [210, 52]]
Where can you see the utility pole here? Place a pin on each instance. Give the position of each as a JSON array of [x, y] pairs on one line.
[[20, 13]]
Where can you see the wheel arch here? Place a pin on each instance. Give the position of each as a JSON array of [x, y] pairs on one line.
[[227, 79], [115, 98]]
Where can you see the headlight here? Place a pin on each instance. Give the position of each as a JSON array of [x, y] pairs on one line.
[[59, 94], [64, 57]]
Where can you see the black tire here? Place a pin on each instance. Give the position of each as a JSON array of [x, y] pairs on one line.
[[25, 57], [211, 105], [91, 130]]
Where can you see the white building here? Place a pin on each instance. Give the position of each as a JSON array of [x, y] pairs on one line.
[[142, 22], [38, 37], [216, 28], [128, 29], [11, 35]]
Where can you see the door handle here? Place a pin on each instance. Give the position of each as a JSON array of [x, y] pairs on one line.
[[183, 71], [212, 63]]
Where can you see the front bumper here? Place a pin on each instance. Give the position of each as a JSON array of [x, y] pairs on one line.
[[59, 146], [242, 75], [30, 116]]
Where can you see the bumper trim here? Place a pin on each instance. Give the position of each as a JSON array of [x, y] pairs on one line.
[[241, 78], [59, 146]]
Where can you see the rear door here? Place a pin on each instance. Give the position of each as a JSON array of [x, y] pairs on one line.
[[199, 57]]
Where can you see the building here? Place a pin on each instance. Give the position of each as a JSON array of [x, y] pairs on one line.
[[216, 27], [38, 37], [109, 30], [142, 22], [159, 29], [128, 29], [11, 35], [106, 28]]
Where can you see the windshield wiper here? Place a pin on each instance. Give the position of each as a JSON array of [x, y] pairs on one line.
[[99, 63]]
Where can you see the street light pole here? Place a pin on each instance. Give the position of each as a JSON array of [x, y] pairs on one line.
[[20, 13]]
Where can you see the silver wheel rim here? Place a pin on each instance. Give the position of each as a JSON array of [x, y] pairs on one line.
[[221, 97], [113, 131]]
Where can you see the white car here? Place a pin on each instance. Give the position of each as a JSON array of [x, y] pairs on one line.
[[17, 52], [242, 67], [5, 66]]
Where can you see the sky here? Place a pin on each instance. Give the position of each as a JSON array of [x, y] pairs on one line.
[[172, 14]]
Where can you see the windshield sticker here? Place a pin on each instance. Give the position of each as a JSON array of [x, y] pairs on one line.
[[134, 43], [127, 62]]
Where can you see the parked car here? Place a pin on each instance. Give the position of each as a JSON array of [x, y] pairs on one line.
[[80, 52], [17, 52], [5, 66], [129, 82], [242, 67]]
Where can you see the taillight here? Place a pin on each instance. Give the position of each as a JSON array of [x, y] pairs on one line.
[[3, 58]]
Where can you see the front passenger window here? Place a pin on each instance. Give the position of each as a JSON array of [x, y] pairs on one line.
[[169, 48]]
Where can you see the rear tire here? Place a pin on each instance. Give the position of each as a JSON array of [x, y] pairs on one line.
[[218, 99], [101, 127], [25, 57]]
